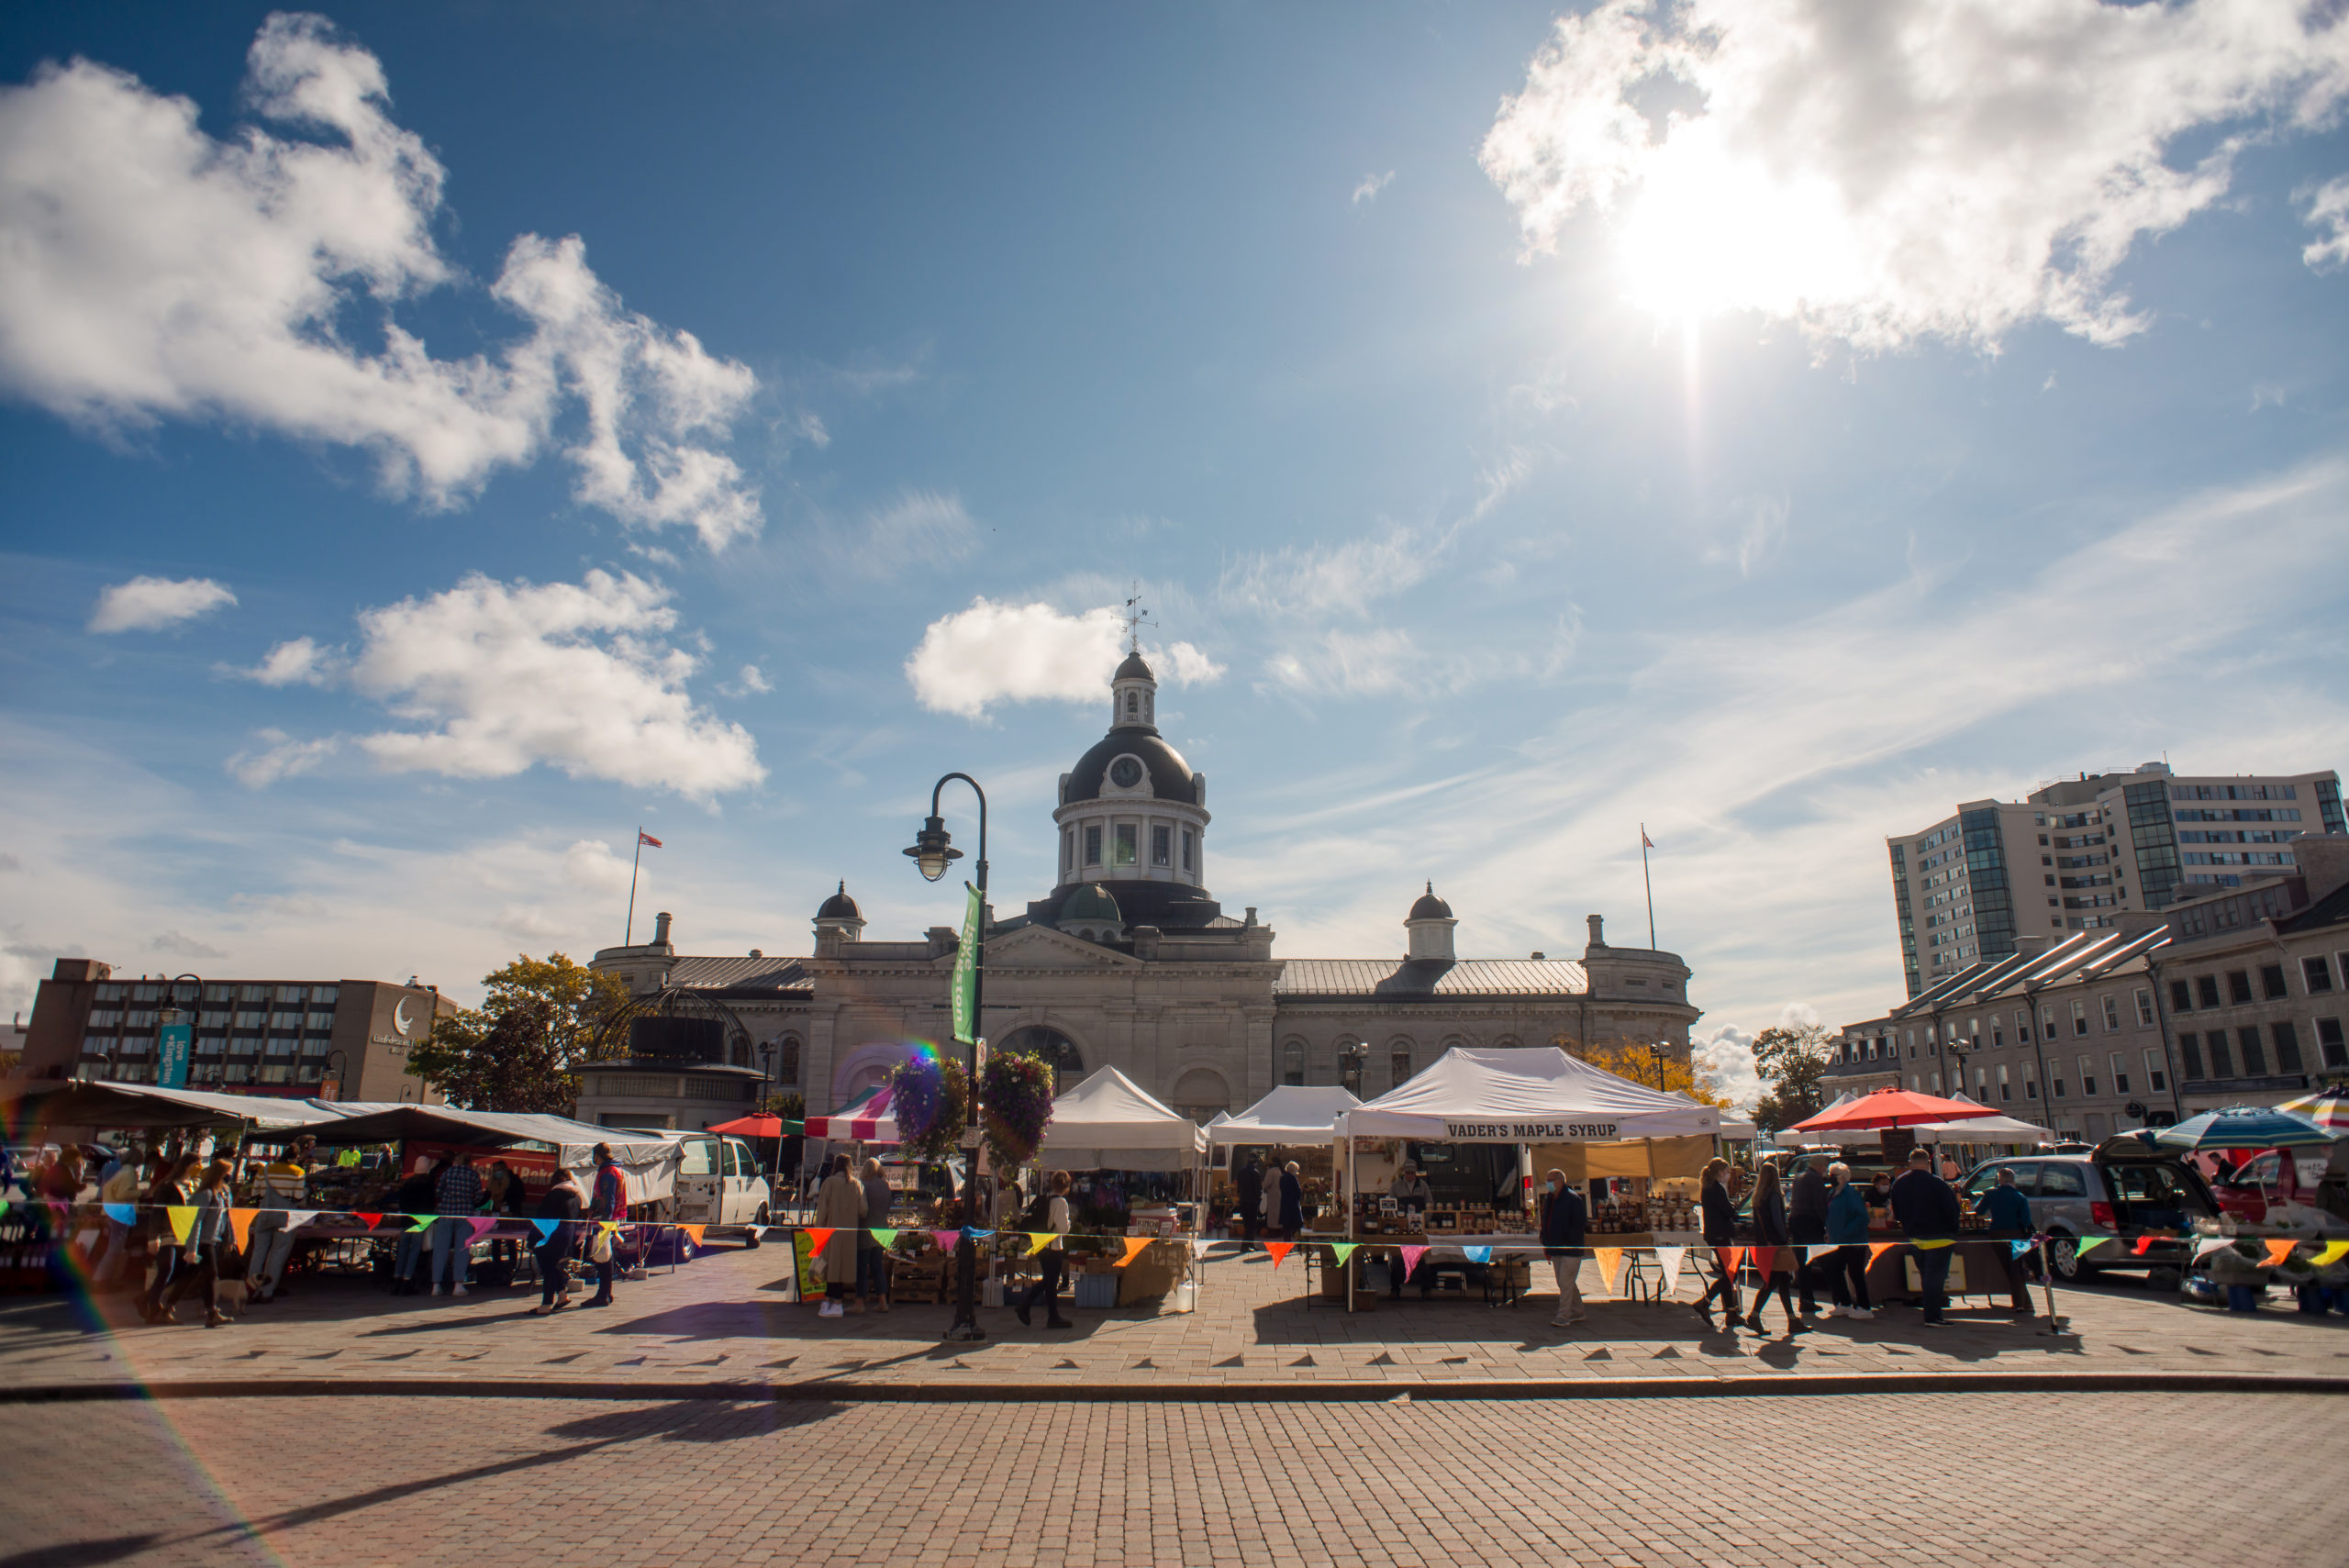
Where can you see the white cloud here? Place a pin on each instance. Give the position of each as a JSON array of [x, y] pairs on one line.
[[2329, 211], [277, 755], [151, 604], [1319, 581], [750, 682], [921, 528], [1378, 662], [1371, 185], [1761, 528], [505, 677], [1725, 1058], [180, 945], [1939, 168], [968, 662], [299, 662], [148, 271]]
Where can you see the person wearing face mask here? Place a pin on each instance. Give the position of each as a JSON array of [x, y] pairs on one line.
[[1564, 1222]]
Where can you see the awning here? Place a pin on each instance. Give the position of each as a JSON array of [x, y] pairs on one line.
[[1290, 1114], [1110, 1123], [1539, 1094], [51, 1102], [868, 1118]]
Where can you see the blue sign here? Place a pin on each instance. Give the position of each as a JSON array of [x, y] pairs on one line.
[[171, 1061]]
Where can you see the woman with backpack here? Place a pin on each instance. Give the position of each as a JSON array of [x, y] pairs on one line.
[[562, 1203]]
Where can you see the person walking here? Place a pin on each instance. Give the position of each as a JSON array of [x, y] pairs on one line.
[[1052, 1262], [1807, 1224], [2008, 1213], [1566, 1222], [207, 1240], [1292, 1208], [412, 1198], [1720, 1234], [172, 1189], [457, 1195], [1926, 1208], [871, 1258], [606, 1204], [1251, 1185], [564, 1203], [1847, 1227], [269, 1248], [840, 1208], [121, 1187], [1773, 1252]]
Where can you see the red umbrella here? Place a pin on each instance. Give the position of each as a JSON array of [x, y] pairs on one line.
[[761, 1125], [1889, 1107]]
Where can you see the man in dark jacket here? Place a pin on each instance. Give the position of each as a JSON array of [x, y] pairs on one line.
[[2008, 1213], [1926, 1208], [1807, 1223], [1251, 1183], [1564, 1223]]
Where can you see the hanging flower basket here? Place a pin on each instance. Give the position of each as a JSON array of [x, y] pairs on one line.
[[930, 1096], [1015, 1106]]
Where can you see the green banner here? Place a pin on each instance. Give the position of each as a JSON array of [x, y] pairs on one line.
[[966, 971]]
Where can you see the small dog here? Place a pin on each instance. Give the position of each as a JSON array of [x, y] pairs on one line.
[[230, 1296]]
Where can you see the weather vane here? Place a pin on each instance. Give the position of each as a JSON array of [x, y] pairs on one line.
[[1136, 618]]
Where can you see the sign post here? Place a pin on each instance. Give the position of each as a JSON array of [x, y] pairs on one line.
[[966, 975], [173, 1044]]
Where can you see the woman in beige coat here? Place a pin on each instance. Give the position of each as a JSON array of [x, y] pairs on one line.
[[839, 1207]]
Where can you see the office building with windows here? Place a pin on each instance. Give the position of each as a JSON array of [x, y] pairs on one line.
[[2076, 854], [333, 1040]]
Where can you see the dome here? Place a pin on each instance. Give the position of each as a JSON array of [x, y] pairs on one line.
[[840, 906], [1430, 907], [1091, 902], [1135, 669], [1170, 776]]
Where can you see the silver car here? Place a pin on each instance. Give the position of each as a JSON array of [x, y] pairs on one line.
[[2125, 1189]]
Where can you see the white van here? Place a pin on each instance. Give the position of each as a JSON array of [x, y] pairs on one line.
[[719, 1186]]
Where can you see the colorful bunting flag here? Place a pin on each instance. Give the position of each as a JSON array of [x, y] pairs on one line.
[[1478, 1254], [545, 1228], [2210, 1245], [816, 1240], [1279, 1250], [182, 1221], [1669, 1259], [1411, 1256], [1877, 1249], [1933, 1246], [371, 1220], [695, 1231], [1811, 1254], [2144, 1244], [1730, 1256], [1134, 1244], [120, 1213], [297, 1217], [1610, 1265], [884, 1234], [240, 1221], [482, 1226], [975, 1234], [2019, 1247], [419, 1222], [2278, 1251], [2085, 1244], [1039, 1240], [1200, 1248], [1340, 1251], [947, 1240], [2330, 1253]]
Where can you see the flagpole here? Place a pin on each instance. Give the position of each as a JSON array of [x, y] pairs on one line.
[[1643, 882], [634, 861]]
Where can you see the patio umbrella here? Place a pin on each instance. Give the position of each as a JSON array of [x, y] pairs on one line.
[[761, 1125], [2326, 1107], [2245, 1127], [1889, 1107]]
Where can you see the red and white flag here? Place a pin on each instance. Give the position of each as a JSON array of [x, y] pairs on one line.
[[1646, 842], [644, 838]]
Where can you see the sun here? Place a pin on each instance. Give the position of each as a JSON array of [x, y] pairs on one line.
[[1711, 232]]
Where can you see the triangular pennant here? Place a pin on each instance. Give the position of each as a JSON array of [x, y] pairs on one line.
[[885, 1235], [816, 1240], [1610, 1265], [947, 1240], [1669, 1259], [297, 1217], [1200, 1248], [1811, 1254], [120, 1213], [1039, 1240], [545, 1228], [2019, 1247], [2278, 1251], [241, 1220], [419, 1222], [182, 1221], [972, 1231], [1933, 1246], [1478, 1254], [1279, 1250], [2330, 1253], [483, 1226], [1134, 1244], [1340, 1251], [2085, 1244], [1411, 1256], [1877, 1249], [1730, 1256], [695, 1231]]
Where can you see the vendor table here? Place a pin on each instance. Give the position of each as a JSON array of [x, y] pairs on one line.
[[1976, 1268]]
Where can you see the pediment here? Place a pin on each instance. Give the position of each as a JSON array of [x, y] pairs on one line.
[[1041, 947]]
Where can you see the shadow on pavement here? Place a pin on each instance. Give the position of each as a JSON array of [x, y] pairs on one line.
[[80, 1554]]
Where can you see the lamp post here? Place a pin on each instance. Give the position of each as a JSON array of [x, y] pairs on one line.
[[932, 851], [1657, 1052], [338, 1072]]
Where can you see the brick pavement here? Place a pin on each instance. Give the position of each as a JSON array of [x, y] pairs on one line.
[[1956, 1478], [720, 1321]]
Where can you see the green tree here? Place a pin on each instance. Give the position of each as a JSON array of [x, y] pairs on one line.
[[520, 1050], [1790, 1062]]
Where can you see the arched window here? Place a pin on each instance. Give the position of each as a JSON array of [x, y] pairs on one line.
[[787, 1060], [1399, 1063], [1058, 1050], [1293, 1063], [1200, 1094], [1133, 705]]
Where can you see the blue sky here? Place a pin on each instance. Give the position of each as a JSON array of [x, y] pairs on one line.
[[1773, 421]]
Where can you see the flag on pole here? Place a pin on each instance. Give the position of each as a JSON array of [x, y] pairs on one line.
[[644, 838], [1646, 842]]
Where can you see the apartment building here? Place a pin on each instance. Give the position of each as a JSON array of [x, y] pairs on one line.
[[2076, 854], [333, 1038], [2066, 1031], [2255, 982]]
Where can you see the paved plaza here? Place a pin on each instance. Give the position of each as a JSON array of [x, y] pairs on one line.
[[720, 1322]]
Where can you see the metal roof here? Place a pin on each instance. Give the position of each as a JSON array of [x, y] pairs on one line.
[[740, 975], [1394, 977]]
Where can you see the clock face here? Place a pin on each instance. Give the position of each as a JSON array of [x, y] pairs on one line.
[[1125, 773]]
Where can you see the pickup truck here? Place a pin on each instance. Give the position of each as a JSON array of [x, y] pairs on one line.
[[2274, 1186]]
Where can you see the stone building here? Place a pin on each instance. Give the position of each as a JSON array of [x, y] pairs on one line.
[[1130, 962]]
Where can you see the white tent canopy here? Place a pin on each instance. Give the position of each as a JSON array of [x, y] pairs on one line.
[[1735, 1127], [1290, 1114], [1990, 1128], [1531, 1096], [1110, 1123]]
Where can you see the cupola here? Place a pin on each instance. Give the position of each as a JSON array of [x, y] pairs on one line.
[[1133, 695], [840, 919], [1430, 925], [1090, 913]]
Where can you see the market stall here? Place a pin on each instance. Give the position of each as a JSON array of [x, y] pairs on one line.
[[1295, 1121], [1110, 1123]]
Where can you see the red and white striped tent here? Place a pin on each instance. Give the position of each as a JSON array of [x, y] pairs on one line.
[[868, 1118]]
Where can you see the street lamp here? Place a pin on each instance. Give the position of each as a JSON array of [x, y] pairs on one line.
[[1658, 1052], [331, 1057], [932, 851]]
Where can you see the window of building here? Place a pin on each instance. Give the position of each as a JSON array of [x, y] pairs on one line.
[[250, 1021], [1133, 705], [211, 1044], [1093, 845], [1293, 1063], [2111, 1013], [252, 993], [1126, 850], [2120, 1065], [288, 1022], [2222, 1054], [2181, 997], [2087, 1075], [2287, 1040], [2156, 1072], [1068, 850], [2255, 1054], [281, 1048], [2331, 1048], [2206, 990], [106, 1017], [2079, 1017], [108, 993], [292, 993], [2022, 1028], [2189, 1046], [1186, 848], [2316, 974], [2239, 986], [2006, 1090], [318, 1021], [2271, 982], [1162, 846], [2055, 1078], [1981, 1083], [1937, 1083], [2029, 1081], [146, 992], [2144, 1007], [1399, 1066], [325, 996]]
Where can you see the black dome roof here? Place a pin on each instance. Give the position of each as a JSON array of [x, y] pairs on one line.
[[1133, 669], [1170, 776], [840, 906], [1430, 907]]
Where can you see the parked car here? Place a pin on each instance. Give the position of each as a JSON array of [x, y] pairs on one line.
[[719, 1186], [2123, 1188], [2308, 1177]]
